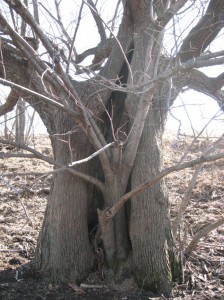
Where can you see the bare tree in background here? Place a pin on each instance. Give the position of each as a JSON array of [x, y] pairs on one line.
[[119, 111]]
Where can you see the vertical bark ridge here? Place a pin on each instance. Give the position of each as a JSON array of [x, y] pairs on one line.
[[121, 245], [149, 215], [64, 252]]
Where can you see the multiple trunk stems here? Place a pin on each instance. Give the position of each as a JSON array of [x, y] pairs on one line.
[[65, 251]]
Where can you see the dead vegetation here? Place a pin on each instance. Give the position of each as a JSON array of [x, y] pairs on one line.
[[23, 197]]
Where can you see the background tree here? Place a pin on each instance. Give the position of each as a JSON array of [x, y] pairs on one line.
[[118, 113]]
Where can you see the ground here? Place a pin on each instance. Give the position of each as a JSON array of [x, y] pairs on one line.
[[23, 195]]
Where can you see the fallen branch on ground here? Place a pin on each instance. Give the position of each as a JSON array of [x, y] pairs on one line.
[[202, 233]]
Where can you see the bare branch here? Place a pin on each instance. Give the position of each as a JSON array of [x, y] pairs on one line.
[[115, 16], [51, 161], [202, 233], [204, 32], [110, 213], [180, 72], [10, 103], [207, 85], [8, 155], [28, 52], [36, 11], [100, 52], [211, 86], [184, 203], [74, 37], [24, 173], [81, 161], [13, 19], [97, 59], [67, 87], [173, 10], [22, 10], [33, 93], [98, 20], [59, 21], [23, 25]]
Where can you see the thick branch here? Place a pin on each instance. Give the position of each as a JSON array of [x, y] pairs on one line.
[[200, 82], [10, 103], [33, 93], [180, 72], [122, 45], [98, 20], [160, 7], [204, 32], [165, 11], [100, 52], [36, 11], [22, 10], [21, 61], [9, 155], [143, 107], [208, 85]]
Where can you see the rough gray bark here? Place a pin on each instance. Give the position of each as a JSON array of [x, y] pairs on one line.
[[74, 114], [64, 251], [150, 214]]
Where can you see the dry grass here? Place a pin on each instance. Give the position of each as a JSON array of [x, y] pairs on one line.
[[204, 270]]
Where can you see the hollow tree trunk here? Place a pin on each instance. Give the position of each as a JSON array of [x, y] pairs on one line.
[[63, 251]]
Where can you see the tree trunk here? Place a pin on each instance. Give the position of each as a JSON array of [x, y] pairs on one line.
[[149, 222], [64, 252], [115, 231]]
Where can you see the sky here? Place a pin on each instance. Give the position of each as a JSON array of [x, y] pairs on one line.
[[191, 110]]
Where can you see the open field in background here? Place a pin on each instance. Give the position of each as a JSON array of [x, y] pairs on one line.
[[21, 217]]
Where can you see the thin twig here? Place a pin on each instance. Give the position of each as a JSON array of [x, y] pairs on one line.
[[81, 161], [24, 174], [184, 203], [49, 100], [74, 37], [111, 212], [120, 46], [62, 167]]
